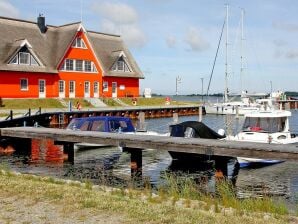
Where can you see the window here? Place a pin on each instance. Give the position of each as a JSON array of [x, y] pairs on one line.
[[94, 67], [88, 67], [69, 64], [24, 84], [33, 61], [79, 65], [121, 66], [98, 126], [105, 87], [15, 60], [61, 86], [95, 87], [24, 58], [71, 86], [87, 87], [79, 43]]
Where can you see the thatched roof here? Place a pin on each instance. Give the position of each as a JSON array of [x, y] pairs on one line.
[[50, 47]]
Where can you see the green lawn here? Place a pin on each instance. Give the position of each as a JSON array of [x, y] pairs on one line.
[[30, 103], [154, 101]]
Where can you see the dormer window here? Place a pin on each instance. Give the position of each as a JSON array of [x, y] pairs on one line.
[[79, 43], [121, 66], [24, 57]]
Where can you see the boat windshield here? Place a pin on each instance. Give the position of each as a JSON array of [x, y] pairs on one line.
[[264, 124]]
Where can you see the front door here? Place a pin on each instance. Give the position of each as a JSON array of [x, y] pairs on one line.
[[42, 88], [72, 89], [114, 89], [87, 89], [95, 89], [61, 89]]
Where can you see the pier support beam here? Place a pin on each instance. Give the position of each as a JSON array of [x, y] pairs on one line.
[[68, 148], [135, 161], [221, 166]]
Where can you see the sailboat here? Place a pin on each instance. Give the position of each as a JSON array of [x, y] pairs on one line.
[[233, 107]]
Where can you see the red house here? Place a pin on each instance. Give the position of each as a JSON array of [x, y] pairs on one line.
[[44, 61]]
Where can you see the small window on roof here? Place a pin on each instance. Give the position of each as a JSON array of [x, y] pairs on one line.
[[24, 57], [79, 43], [121, 66]]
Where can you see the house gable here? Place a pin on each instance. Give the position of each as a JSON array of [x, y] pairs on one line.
[[79, 56]]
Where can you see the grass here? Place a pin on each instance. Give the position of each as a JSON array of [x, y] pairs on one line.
[[154, 101], [55, 103], [30, 103], [83, 102], [125, 205]]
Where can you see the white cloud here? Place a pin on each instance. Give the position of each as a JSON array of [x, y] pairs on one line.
[[195, 40], [7, 9], [118, 13], [171, 41], [119, 18]]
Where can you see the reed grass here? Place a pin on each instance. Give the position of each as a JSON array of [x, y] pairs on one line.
[[224, 197]]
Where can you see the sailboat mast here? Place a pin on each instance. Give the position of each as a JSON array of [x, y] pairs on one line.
[[226, 73], [241, 57]]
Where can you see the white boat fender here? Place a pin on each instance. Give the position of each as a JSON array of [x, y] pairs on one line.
[[221, 132]]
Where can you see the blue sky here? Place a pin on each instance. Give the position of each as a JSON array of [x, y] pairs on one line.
[[171, 38]]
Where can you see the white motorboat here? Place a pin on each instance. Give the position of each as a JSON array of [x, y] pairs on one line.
[[265, 126]]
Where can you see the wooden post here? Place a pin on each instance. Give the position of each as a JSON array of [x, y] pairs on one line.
[[200, 113], [237, 112], [135, 161], [68, 148], [221, 166], [175, 118], [142, 124]]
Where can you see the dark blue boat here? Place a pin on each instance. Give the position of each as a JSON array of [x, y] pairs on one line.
[[102, 124]]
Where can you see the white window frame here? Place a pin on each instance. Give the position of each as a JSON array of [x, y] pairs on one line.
[[27, 84], [66, 62], [81, 67], [72, 86], [120, 63], [105, 86], [61, 86], [27, 58], [79, 43]]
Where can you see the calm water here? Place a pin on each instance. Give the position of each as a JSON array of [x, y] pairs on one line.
[[111, 166]]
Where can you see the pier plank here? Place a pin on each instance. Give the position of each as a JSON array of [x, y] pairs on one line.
[[187, 145]]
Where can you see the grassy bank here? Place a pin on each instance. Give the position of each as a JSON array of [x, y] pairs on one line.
[[43, 103], [48, 200], [56, 103], [154, 101]]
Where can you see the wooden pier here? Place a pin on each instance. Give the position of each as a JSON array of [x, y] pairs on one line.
[[176, 144], [219, 150], [62, 118]]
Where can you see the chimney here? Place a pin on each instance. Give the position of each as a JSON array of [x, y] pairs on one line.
[[41, 22]]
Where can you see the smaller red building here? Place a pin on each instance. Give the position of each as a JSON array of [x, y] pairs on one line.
[[43, 61]]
